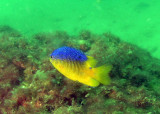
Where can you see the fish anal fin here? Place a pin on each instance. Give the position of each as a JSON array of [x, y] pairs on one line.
[[89, 81]]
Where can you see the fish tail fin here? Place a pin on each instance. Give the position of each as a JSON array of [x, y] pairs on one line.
[[102, 74]]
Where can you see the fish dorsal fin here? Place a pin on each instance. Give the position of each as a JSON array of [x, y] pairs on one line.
[[91, 61]]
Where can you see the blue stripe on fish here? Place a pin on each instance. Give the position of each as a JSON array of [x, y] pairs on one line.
[[69, 53]]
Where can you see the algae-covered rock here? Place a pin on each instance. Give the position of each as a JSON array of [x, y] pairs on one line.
[[30, 84]]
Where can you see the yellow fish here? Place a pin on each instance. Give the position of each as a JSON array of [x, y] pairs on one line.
[[75, 65]]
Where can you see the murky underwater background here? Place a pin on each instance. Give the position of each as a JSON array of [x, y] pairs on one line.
[[133, 21], [122, 33]]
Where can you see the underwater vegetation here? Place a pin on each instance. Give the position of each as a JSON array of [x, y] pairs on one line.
[[30, 84]]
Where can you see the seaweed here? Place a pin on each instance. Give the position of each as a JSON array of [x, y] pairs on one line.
[[30, 84]]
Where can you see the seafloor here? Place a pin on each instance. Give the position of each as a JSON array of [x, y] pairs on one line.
[[30, 84]]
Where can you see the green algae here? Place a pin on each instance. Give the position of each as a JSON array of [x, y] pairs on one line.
[[30, 84]]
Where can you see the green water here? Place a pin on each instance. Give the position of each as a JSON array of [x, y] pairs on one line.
[[135, 21]]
